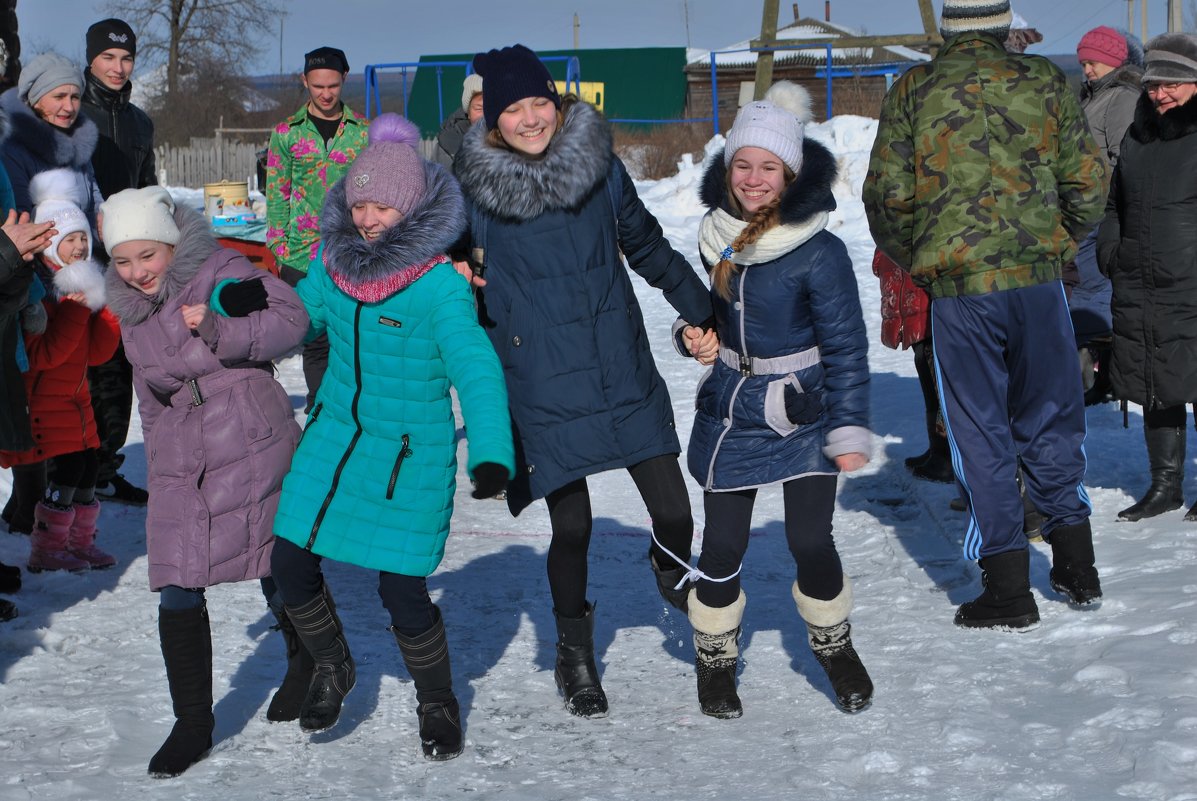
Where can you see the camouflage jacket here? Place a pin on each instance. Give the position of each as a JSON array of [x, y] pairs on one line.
[[984, 175], [299, 171]]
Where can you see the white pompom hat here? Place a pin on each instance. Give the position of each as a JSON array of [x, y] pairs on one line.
[[776, 124], [56, 195]]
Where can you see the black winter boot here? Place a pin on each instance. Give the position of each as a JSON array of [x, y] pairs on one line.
[[576, 673], [427, 658], [667, 581], [288, 699], [187, 651], [1006, 601], [320, 631], [1166, 457], [830, 636], [716, 653], [1073, 574]]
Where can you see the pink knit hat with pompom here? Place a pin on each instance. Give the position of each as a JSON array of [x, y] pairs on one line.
[[389, 171]]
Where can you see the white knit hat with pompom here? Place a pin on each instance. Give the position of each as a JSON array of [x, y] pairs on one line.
[[56, 195]]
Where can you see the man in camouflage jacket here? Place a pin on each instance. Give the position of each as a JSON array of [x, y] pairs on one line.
[[983, 178]]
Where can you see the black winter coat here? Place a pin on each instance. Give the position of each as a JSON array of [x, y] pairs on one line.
[[124, 157], [15, 276], [1147, 246]]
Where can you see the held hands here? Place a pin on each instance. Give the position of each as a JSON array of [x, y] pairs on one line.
[[848, 462], [703, 345], [489, 480], [28, 238], [194, 315], [241, 298], [467, 272]]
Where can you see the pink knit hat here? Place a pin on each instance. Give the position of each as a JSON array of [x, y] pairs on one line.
[[1103, 45], [389, 171]]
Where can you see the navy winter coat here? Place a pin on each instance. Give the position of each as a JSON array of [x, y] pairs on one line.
[[794, 291], [584, 390]]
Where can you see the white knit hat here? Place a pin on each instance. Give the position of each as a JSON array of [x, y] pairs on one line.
[[471, 86], [139, 214], [984, 16], [56, 195], [776, 124]]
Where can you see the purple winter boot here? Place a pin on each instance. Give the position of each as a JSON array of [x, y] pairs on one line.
[[82, 540], [51, 529]]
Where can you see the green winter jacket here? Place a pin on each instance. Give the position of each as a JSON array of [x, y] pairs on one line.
[[984, 175], [299, 171]]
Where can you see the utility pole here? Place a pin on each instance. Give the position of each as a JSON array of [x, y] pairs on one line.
[[1176, 21], [577, 25], [1143, 10], [764, 60]]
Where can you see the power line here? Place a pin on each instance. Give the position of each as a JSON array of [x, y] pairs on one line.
[[1085, 24]]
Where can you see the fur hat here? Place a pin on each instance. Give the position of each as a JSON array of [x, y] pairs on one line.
[[389, 171], [139, 214], [1172, 58], [108, 34], [776, 124], [983, 16], [56, 196], [511, 74], [1102, 45], [45, 73], [471, 86]]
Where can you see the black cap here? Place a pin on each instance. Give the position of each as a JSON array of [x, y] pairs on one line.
[[107, 34], [325, 58]]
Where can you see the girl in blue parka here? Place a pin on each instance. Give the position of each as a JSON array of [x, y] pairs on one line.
[[373, 479], [787, 397]]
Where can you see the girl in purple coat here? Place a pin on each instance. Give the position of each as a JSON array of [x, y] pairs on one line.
[[200, 326]]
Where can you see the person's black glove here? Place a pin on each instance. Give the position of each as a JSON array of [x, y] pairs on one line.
[[489, 480], [243, 297]]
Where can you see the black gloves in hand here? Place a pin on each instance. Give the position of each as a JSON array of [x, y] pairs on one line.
[[489, 480], [243, 297]]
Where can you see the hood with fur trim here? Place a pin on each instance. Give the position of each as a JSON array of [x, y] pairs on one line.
[[807, 196], [426, 232], [72, 147], [1150, 125], [196, 244], [508, 185]]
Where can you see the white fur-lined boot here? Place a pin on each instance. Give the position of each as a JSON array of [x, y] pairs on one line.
[[830, 636], [716, 653]]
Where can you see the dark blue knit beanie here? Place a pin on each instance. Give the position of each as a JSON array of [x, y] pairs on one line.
[[510, 75]]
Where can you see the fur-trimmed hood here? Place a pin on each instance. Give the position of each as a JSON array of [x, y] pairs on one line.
[[72, 147], [427, 231], [1128, 75], [196, 244], [809, 195], [1150, 125], [511, 186]]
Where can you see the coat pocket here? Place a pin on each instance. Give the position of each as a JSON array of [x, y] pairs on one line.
[[788, 406], [404, 452]]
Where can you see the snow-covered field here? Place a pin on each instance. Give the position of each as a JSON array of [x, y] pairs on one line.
[[1090, 705]]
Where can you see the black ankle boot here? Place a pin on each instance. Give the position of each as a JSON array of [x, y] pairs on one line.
[[667, 581], [320, 631], [1166, 457], [187, 651], [1006, 601], [1073, 574], [716, 654], [937, 467], [576, 673], [288, 699], [427, 658]]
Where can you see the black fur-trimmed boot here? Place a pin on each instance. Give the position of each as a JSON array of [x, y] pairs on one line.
[[321, 633], [1006, 601], [716, 654], [288, 699], [1166, 458], [830, 636], [1073, 574], [427, 658], [576, 673], [667, 583], [187, 651]]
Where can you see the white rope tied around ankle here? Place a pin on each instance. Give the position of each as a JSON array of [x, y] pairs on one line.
[[692, 574]]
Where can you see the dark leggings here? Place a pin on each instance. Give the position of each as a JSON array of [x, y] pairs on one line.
[[176, 598], [297, 572], [72, 477], [809, 504], [1168, 417], [663, 489]]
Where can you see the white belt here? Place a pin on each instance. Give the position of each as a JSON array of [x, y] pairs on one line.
[[777, 365]]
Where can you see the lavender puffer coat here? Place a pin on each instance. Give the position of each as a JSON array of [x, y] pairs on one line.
[[215, 468]]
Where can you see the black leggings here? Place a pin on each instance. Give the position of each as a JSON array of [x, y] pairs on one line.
[[809, 504], [663, 489], [1167, 417], [299, 578], [72, 477]]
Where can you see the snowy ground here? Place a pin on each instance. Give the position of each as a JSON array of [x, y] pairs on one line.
[[1090, 705]]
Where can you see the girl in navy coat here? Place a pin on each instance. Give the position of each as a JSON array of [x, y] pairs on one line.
[[787, 398], [551, 210]]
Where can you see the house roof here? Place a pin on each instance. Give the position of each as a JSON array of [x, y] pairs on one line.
[[739, 54]]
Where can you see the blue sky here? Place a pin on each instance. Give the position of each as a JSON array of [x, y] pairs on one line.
[[380, 31]]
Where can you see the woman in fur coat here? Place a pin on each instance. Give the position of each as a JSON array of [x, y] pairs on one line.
[[787, 399], [201, 327], [374, 478], [552, 209]]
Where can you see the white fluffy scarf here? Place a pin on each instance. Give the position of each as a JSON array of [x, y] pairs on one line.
[[719, 229]]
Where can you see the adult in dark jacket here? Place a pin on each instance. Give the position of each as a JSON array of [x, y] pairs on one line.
[[124, 159], [552, 207], [1148, 247], [453, 131]]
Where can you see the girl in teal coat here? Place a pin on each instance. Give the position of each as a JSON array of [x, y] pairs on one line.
[[373, 480]]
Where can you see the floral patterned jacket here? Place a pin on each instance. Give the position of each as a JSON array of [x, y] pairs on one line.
[[298, 174]]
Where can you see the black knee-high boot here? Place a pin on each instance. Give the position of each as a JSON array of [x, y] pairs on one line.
[[427, 658], [187, 651], [576, 673], [320, 631], [288, 699], [1166, 458]]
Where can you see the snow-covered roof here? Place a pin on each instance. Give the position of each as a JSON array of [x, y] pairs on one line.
[[739, 54]]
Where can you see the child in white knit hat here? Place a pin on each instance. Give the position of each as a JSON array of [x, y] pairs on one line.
[[77, 332]]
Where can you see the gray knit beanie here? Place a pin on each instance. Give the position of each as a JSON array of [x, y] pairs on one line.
[[982, 16], [46, 73], [1172, 58]]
